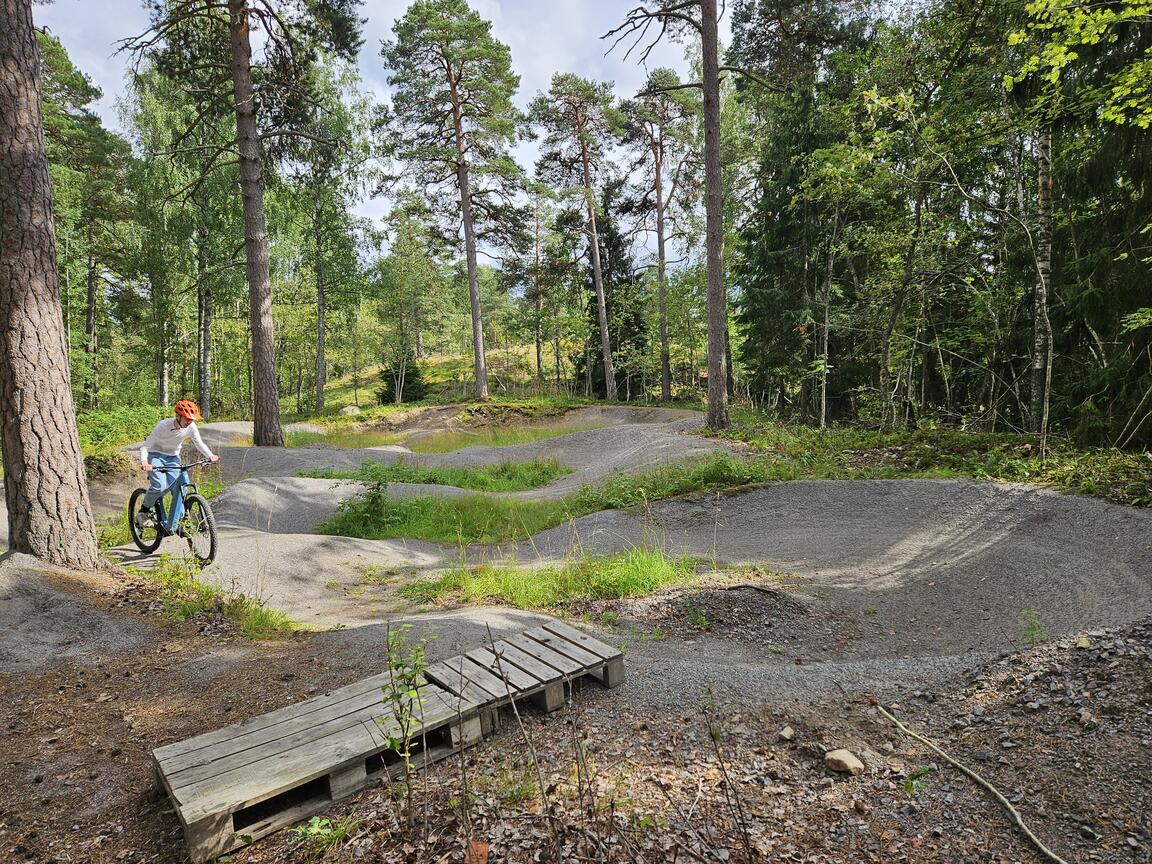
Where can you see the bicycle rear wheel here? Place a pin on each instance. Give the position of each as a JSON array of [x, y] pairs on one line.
[[198, 528], [146, 539]]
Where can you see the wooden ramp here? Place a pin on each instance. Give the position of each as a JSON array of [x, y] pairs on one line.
[[538, 664], [244, 781], [239, 783]]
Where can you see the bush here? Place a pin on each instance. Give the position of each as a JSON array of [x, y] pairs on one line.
[[413, 389]]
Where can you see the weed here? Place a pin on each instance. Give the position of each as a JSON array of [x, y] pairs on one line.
[[1031, 630], [697, 618], [915, 781], [332, 584], [870, 609], [609, 618], [401, 694], [318, 835]]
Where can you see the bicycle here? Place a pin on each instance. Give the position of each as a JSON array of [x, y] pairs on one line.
[[197, 525]]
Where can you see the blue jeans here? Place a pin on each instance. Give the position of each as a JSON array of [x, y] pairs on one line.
[[161, 482]]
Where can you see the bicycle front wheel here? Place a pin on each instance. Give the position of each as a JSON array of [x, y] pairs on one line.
[[147, 537], [198, 528]]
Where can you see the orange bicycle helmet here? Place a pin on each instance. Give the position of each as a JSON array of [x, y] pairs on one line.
[[188, 409]]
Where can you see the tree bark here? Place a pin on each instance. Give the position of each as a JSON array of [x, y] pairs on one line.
[[1041, 328], [49, 514], [538, 305], [265, 400], [91, 346], [464, 184], [204, 322], [321, 323], [714, 223], [662, 281], [597, 273], [888, 412]]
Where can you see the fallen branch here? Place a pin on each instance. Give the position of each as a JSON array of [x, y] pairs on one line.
[[980, 780]]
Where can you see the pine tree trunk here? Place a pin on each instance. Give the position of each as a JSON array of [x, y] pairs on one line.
[[597, 275], [714, 223], [90, 344], [538, 305], [321, 321], [1041, 329], [204, 322], [265, 401], [464, 184], [662, 288], [49, 514]]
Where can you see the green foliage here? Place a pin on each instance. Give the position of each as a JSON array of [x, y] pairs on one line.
[[406, 379], [111, 429], [916, 781], [502, 477], [320, 834], [633, 573], [1031, 629]]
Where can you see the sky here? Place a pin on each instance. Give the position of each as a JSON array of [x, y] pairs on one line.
[[545, 36]]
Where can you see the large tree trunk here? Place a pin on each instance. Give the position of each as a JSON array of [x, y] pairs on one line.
[[49, 515], [597, 275], [1041, 328], [464, 184], [321, 324], [265, 400], [714, 223]]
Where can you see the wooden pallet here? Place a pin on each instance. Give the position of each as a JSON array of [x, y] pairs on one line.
[[242, 782], [538, 664]]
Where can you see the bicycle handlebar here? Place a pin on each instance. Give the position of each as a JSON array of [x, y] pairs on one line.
[[182, 467]]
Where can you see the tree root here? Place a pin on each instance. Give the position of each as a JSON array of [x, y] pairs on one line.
[[981, 781]]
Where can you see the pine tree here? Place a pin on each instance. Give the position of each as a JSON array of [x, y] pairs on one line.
[[453, 121]]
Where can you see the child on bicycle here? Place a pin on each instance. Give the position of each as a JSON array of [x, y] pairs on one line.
[[160, 453]]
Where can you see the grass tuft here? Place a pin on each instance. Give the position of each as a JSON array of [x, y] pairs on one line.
[[186, 597], [504, 477], [633, 573]]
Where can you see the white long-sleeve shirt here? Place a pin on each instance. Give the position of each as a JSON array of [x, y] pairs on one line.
[[167, 437]]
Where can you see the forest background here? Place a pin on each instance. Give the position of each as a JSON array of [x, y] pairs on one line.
[[934, 215]]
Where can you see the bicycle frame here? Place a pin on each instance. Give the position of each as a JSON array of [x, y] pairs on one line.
[[177, 488]]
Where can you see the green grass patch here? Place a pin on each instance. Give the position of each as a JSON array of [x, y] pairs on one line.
[[859, 453], [503, 477], [457, 520], [185, 597], [349, 438], [495, 436], [633, 573]]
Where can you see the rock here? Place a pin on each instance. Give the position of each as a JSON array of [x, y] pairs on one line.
[[843, 761], [787, 733], [349, 411]]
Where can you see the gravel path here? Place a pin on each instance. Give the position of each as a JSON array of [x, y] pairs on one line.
[[909, 580]]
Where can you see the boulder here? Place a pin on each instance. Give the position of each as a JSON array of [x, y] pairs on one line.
[[349, 411]]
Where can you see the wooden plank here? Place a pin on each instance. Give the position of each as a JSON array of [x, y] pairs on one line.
[[244, 785], [588, 643], [517, 679], [560, 662], [479, 676], [272, 718], [262, 743], [562, 646], [451, 679], [243, 739], [539, 670]]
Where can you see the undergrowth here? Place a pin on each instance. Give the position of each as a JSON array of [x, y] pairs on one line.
[[632, 573], [503, 477], [185, 597], [846, 452]]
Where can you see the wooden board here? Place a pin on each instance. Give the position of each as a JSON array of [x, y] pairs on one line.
[[238, 783], [241, 782]]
